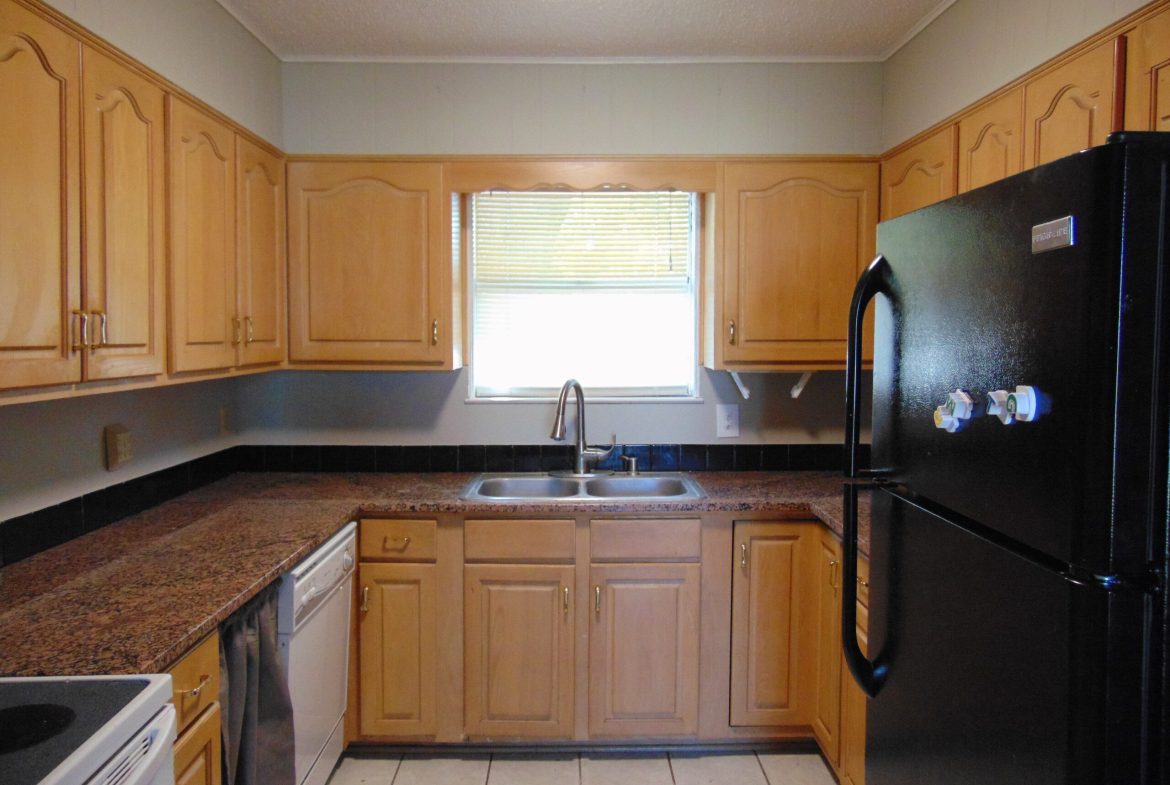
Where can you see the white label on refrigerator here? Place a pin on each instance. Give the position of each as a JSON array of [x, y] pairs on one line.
[[1054, 234]]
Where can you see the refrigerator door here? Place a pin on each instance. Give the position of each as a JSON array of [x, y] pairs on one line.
[[971, 305], [1000, 670]]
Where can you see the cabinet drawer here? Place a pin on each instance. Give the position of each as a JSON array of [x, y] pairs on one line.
[[518, 540], [397, 540], [633, 539], [195, 680]]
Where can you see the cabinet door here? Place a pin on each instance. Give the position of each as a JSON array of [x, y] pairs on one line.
[[40, 257], [1074, 106], [260, 256], [1147, 80], [124, 138], [772, 626], [853, 705], [398, 656], [796, 238], [197, 751], [991, 141], [922, 174], [827, 717], [644, 650], [203, 327], [368, 256], [518, 650]]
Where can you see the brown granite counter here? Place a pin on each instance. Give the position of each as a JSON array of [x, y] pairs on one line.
[[133, 596]]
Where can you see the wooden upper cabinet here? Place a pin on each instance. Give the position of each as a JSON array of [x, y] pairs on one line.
[[1074, 106], [124, 138], [260, 247], [773, 635], [991, 141], [1147, 80], [796, 236], [204, 330], [40, 258], [369, 272], [921, 174]]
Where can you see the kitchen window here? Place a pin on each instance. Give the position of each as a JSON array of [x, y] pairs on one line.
[[593, 285]]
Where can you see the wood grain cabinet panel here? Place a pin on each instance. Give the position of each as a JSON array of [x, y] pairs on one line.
[[40, 202], [1147, 81], [397, 631], [853, 700], [369, 273], [260, 254], [198, 751], [1074, 106], [796, 236], [204, 330], [827, 716], [991, 141], [921, 174], [773, 617], [644, 650], [124, 138], [518, 650]]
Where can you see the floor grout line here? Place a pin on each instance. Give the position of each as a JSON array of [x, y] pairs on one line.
[[488, 777], [580, 773], [670, 765], [760, 763]]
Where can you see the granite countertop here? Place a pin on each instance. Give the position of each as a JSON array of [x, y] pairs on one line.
[[135, 595]]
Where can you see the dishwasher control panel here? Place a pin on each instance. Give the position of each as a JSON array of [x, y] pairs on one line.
[[308, 584]]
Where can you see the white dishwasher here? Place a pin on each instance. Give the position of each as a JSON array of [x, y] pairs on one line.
[[313, 633]]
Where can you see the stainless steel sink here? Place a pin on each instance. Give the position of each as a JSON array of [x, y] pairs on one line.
[[662, 486]]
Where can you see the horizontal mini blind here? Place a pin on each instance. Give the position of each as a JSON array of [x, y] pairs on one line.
[[598, 286]]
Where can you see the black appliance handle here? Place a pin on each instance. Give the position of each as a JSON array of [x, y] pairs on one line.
[[870, 676]]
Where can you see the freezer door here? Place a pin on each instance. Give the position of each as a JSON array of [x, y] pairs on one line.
[[1000, 670], [969, 305]]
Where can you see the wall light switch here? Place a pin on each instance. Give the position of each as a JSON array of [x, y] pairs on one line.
[[726, 420], [119, 447]]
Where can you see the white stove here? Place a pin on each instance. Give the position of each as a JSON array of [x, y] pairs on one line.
[[87, 730]]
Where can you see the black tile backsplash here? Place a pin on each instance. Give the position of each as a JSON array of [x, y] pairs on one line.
[[29, 534]]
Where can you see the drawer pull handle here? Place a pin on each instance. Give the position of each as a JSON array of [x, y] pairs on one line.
[[597, 600], [386, 546], [566, 603], [861, 583], [365, 600], [198, 688]]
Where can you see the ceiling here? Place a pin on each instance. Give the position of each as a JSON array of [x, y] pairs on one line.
[[585, 30]]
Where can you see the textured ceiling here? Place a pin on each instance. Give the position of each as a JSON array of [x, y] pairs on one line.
[[584, 29]]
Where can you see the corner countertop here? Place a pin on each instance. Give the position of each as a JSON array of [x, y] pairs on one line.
[[135, 595]]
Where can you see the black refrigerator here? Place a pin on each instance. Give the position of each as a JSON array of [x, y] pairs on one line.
[[1018, 477]]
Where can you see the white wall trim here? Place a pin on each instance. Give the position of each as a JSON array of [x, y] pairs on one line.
[[922, 24]]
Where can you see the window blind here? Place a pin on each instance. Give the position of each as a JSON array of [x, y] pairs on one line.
[[593, 285]]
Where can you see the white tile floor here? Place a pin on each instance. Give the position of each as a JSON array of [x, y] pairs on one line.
[[587, 768]]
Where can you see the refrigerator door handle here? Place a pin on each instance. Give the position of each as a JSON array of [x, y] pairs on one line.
[[870, 676]]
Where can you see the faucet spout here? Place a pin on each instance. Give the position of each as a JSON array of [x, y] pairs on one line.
[[583, 453]]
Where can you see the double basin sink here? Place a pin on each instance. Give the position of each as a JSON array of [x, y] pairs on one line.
[[655, 486]]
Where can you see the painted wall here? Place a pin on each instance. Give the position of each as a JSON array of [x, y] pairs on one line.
[[390, 108], [977, 46], [195, 44], [53, 451]]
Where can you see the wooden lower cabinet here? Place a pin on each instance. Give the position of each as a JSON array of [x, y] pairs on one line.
[[198, 751], [644, 650], [827, 716], [398, 649], [773, 624], [853, 700], [518, 650]]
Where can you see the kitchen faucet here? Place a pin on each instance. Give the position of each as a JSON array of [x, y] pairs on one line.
[[584, 454]]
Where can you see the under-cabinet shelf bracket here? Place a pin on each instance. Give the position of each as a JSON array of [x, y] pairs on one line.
[[798, 388], [743, 388]]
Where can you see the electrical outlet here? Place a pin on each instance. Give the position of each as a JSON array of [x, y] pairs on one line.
[[119, 447], [726, 420]]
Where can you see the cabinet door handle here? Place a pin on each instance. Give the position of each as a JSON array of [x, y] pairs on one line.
[[103, 330], [235, 331], [365, 608], [81, 330], [743, 555], [861, 583], [435, 333], [198, 688], [386, 546], [597, 600], [249, 331], [833, 582], [731, 332], [566, 601]]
